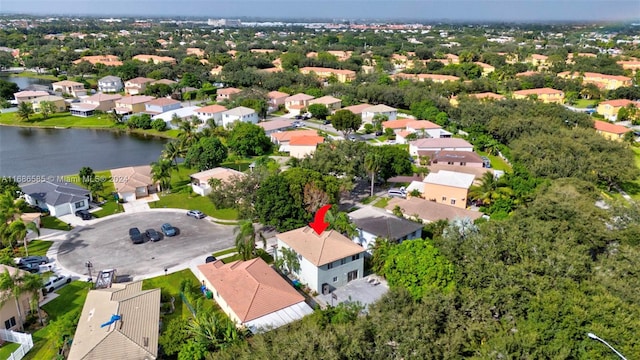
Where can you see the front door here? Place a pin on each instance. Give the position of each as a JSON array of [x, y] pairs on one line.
[[352, 275]]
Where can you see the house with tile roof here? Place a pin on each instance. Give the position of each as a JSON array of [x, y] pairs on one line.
[[448, 187], [28, 95], [527, 73], [68, 87], [610, 131], [200, 180], [275, 125], [58, 198], [438, 144], [132, 104], [227, 94], [538, 60], [99, 101], [610, 108], [430, 211], [301, 146], [58, 103], [327, 261], [546, 95], [295, 103], [436, 78], [486, 96], [330, 102], [372, 223], [137, 86], [211, 112], [253, 294], [283, 138], [134, 182], [602, 81], [342, 76], [357, 109], [369, 113], [486, 68], [155, 59], [106, 60], [276, 98], [110, 84], [120, 322], [240, 114], [633, 65], [453, 158]]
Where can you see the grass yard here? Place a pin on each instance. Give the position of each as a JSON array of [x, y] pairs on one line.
[[52, 222], [111, 206], [39, 247], [31, 74], [497, 162], [240, 165], [224, 252], [71, 297], [64, 120], [7, 349], [584, 103], [382, 203]]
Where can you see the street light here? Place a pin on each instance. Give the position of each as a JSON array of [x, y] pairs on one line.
[[594, 337], [89, 266]]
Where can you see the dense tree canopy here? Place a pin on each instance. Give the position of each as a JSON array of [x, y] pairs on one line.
[[206, 153], [246, 139]]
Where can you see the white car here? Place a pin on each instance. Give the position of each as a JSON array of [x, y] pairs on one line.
[[55, 282]]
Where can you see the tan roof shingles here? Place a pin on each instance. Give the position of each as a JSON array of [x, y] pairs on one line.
[[320, 249], [251, 288], [133, 337], [429, 210], [132, 177]]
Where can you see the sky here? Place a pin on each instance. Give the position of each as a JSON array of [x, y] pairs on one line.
[[460, 10]]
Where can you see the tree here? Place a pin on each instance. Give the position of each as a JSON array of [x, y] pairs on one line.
[[275, 205], [32, 284], [172, 152], [206, 153], [488, 190], [161, 172], [288, 261], [47, 108], [9, 185], [246, 240], [18, 231], [25, 110], [377, 121], [7, 89], [318, 111], [159, 125], [340, 222], [346, 121], [87, 176], [246, 139], [373, 162]]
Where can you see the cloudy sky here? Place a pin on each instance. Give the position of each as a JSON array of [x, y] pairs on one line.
[[481, 10]]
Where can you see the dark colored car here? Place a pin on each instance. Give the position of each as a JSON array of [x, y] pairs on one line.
[[196, 214], [32, 268], [210, 259], [299, 117], [168, 230], [152, 234], [84, 214], [378, 133], [136, 236], [33, 260], [327, 122]]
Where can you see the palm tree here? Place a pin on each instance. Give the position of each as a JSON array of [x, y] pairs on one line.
[[373, 164], [246, 240], [187, 135], [11, 287], [340, 222], [172, 152], [25, 109], [288, 261], [489, 189], [32, 284], [18, 230], [161, 172]]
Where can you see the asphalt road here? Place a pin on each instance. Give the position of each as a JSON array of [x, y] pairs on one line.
[[107, 244]]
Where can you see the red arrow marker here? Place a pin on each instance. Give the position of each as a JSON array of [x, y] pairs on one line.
[[318, 223]]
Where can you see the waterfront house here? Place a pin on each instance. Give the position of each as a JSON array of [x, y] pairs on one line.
[[110, 84], [132, 104], [200, 180], [97, 102], [137, 86], [27, 96], [160, 105], [134, 182], [58, 103], [58, 198], [68, 87], [211, 112]]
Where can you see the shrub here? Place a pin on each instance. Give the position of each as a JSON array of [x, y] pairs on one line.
[[159, 125]]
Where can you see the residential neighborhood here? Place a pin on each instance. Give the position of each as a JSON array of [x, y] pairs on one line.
[[191, 187]]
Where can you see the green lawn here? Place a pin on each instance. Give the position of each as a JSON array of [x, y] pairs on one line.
[[382, 203], [52, 222], [240, 165], [583, 103], [170, 285], [7, 349], [497, 162], [224, 252], [64, 120], [31, 74], [39, 247], [71, 297], [111, 206]]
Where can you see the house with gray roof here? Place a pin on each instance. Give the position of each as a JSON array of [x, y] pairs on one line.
[[372, 223], [110, 84], [56, 197], [240, 113]]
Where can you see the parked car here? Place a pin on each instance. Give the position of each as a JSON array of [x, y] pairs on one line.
[[297, 124], [55, 282], [136, 236], [84, 214], [168, 230], [307, 116], [32, 268], [210, 259], [196, 214], [401, 192], [379, 133], [33, 260], [299, 117], [486, 162], [152, 234], [326, 122], [352, 137]]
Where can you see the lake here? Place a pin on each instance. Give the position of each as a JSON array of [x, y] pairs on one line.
[[55, 152], [25, 82]]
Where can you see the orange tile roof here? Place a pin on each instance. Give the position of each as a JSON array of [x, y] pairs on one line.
[[108, 60], [211, 109], [306, 140], [320, 249], [162, 102], [528, 73], [299, 97], [251, 288], [357, 109], [610, 128], [404, 133], [618, 102], [396, 124], [423, 124], [539, 91], [286, 136], [438, 77], [228, 91], [326, 70], [277, 94]]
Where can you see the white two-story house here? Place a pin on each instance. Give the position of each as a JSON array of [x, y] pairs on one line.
[[327, 261], [241, 114]]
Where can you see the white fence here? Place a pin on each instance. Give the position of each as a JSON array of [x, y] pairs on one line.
[[25, 341]]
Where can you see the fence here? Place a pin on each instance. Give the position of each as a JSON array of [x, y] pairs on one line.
[[25, 341], [186, 302]]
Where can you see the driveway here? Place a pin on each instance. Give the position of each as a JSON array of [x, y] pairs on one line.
[[107, 245]]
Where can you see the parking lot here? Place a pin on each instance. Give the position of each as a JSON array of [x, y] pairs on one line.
[[107, 244]]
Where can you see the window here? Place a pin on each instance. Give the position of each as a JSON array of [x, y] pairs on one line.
[[355, 257], [453, 201], [330, 265], [444, 198], [450, 163], [335, 279], [10, 323], [79, 204], [463, 164], [342, 261]]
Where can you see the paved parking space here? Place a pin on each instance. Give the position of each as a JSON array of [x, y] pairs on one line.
[[365, 291], [106, 243]]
